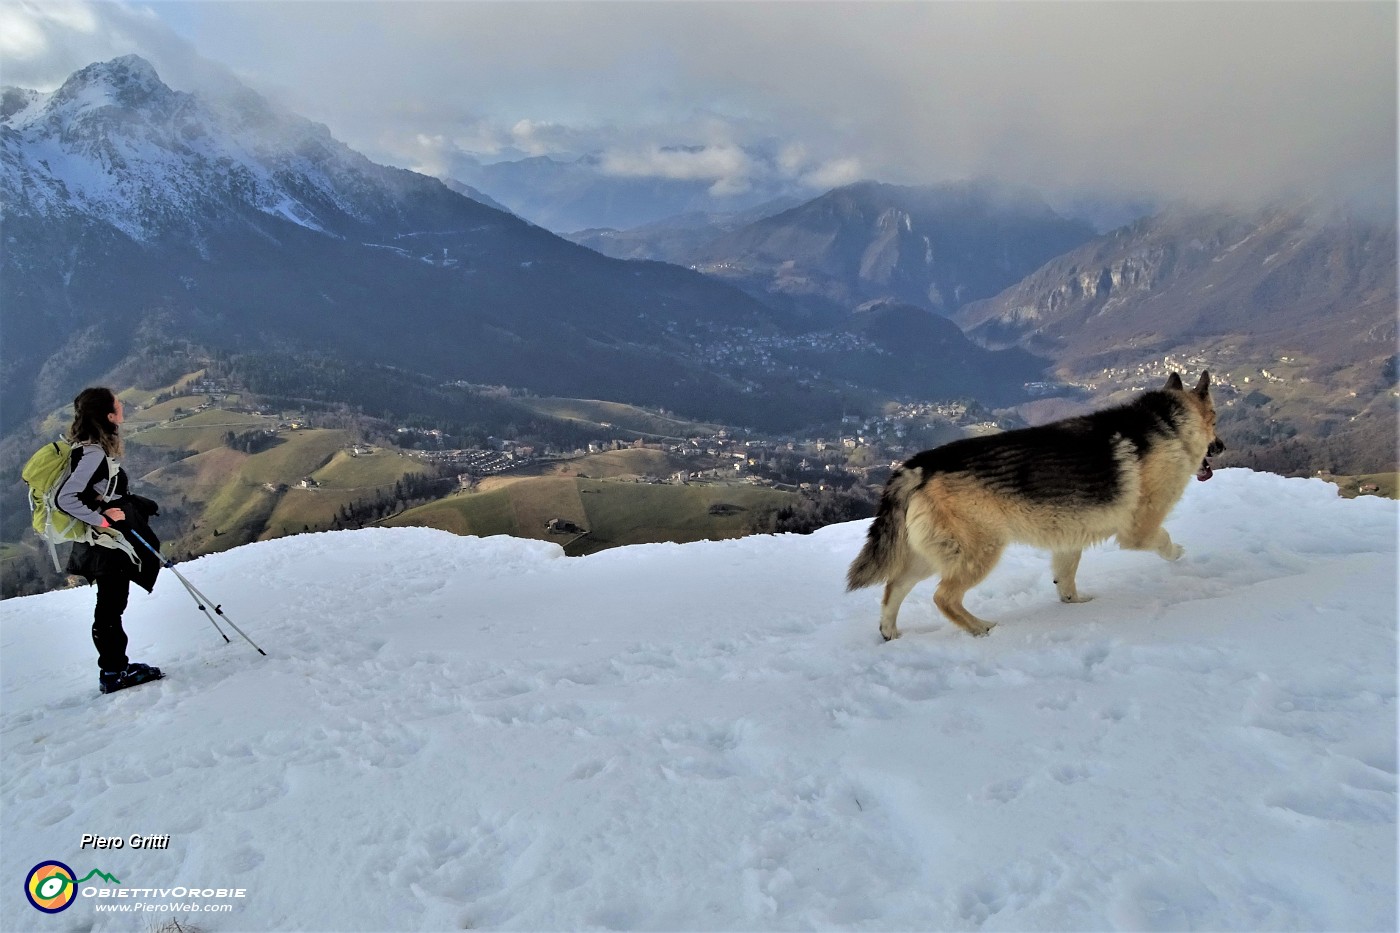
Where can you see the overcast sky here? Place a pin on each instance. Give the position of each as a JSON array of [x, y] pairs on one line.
[[1163, 100]]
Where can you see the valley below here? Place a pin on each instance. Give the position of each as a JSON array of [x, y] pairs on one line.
[[231, 467]]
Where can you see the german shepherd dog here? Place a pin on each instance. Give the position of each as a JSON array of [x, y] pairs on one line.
[[1063, 486]]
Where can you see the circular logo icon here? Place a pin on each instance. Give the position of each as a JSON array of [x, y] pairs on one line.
[[50, 887]]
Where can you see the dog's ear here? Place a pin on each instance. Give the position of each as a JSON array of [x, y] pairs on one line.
[[1203, 387], [1174, 381]]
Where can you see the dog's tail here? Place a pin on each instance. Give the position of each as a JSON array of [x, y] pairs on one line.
[[885, 543]]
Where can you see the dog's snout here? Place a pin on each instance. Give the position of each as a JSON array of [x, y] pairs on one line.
[[1216, 446]]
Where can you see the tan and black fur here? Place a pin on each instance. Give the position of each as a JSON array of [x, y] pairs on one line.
[[951, 511]]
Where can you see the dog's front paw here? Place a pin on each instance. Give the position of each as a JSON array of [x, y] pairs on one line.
[[890, 634], [1173, 552], [1075, 598]]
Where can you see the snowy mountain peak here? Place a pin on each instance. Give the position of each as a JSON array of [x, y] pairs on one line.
[[105, 92], [131, 77], [115, 144]]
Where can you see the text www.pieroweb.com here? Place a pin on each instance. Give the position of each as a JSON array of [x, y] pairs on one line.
[[185, 900]]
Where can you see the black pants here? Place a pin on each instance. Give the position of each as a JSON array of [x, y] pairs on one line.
[[107, 632]]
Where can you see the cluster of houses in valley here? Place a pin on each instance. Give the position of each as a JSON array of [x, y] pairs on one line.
[[718, 458], [970, 416], [747, 349], [1152, 374], [863, 450], [750, 348], [478, 462]]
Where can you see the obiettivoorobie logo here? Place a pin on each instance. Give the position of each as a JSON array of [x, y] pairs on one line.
[[52, 886]]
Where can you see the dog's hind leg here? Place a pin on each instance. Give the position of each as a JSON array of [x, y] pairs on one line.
[[1065, 565], [960, 578]]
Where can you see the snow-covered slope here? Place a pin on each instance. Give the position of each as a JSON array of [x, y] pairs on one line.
[[455, 733]]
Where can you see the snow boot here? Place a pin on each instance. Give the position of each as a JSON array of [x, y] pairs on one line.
[[133, 674]]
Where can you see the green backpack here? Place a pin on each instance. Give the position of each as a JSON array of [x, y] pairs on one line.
[[45, 474]]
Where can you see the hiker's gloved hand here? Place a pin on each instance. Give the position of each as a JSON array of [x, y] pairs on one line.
[[147, 507], [113, 515]]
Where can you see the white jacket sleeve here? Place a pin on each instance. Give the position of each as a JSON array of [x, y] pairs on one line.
[[78, 481]]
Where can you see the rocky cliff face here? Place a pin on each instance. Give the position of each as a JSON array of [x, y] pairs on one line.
[[1285, 280]]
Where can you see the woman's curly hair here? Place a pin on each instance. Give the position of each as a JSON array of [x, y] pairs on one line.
[[90, 423]]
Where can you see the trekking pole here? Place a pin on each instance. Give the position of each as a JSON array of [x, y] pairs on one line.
[[198, 596], [197, 601]]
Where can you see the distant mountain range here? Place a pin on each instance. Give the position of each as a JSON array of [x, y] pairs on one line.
[[936, 247], [675, 239], [567, 195], [134, 213], [137, 217], [131, 208], [1294, 305]]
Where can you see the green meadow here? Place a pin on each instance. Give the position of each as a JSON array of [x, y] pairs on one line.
[[614, 512], [626, 417]]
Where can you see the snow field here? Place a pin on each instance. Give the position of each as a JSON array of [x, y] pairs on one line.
[[458, 733]]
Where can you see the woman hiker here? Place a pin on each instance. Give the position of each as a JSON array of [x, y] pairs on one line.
[[96, 493]]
